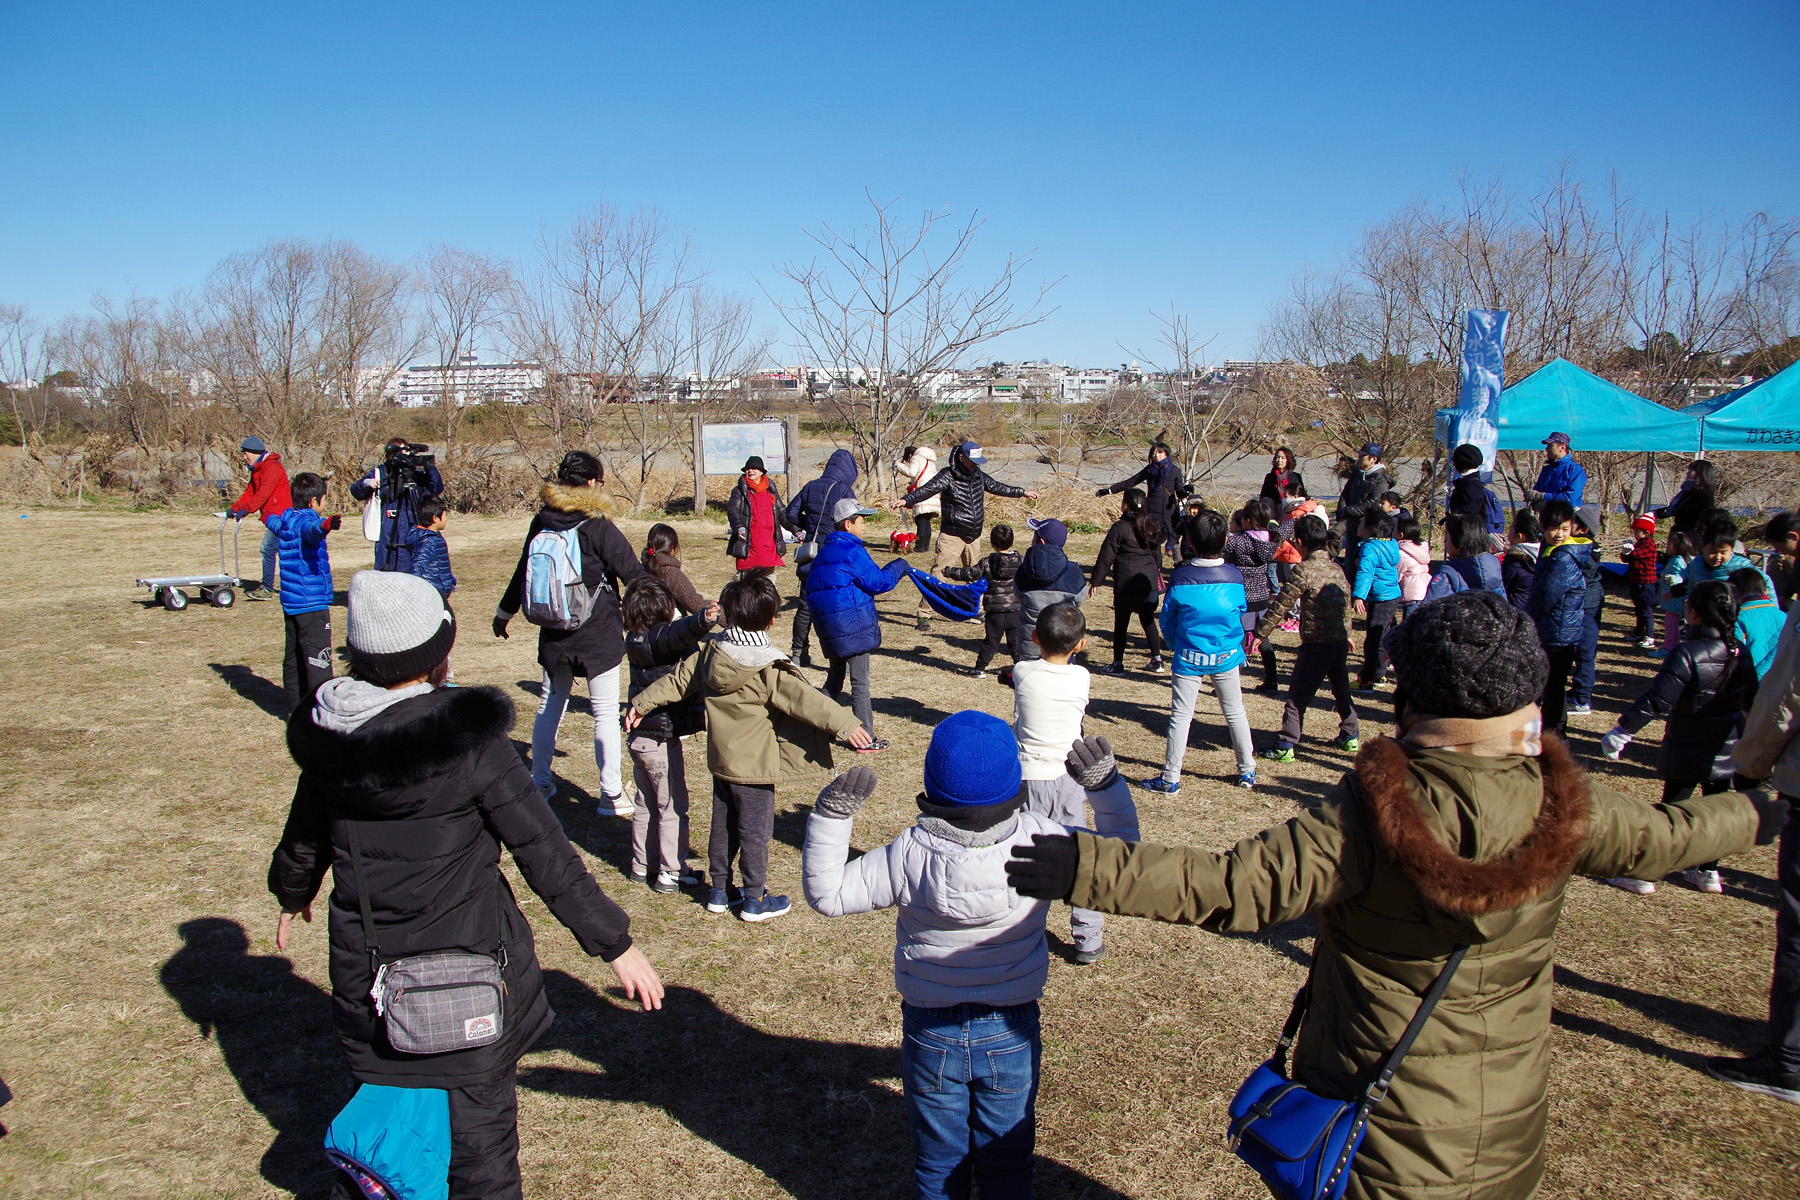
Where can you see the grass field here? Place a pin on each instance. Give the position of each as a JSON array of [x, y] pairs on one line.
[[158, 1046]]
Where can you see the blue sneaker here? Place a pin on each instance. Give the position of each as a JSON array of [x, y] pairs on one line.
[[1247, 779], [717, 901], [764, 908], [1156, 783]]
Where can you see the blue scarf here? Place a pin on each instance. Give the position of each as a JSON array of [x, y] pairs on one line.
[[956, 601]]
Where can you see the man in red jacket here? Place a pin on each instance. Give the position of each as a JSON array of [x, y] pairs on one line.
[[266, 495]]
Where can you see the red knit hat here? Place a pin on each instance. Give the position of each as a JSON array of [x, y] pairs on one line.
[[1645, 522]]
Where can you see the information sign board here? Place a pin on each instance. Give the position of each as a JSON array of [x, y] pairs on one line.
[[723, 448]]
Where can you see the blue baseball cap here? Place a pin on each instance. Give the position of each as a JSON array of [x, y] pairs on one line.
[[1049, 530], [972, 452], [1372, 449]]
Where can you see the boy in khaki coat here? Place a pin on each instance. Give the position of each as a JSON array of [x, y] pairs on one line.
[[764, 724], [1463, 832]]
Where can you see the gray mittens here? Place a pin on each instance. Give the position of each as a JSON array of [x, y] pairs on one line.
[[843, 796], [1091, 763]]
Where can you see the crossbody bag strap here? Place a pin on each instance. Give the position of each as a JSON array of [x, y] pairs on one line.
[[1291, 1030], [362, 894], [1377, 1091]]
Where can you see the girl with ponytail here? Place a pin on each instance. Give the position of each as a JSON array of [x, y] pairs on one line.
[[1705, 687]]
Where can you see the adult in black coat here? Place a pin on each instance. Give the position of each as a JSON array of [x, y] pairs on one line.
[[1283, 479], [964, 486], [1692, 503], [592, 651], [407, 792], [1132, 553], [1469, 495], [1162, 483], [399, 490]]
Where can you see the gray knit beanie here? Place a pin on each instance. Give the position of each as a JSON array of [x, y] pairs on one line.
[[400, 627], [1470, 654]]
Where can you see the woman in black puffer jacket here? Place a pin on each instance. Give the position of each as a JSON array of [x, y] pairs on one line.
[[426, 782], [1132, 552], [593, 651]]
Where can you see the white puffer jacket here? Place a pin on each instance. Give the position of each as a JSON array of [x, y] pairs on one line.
[[962, 935], [917, 469]]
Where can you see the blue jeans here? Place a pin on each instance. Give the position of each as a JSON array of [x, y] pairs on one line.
[[271, 554], [971, 1077], [1581, 683]]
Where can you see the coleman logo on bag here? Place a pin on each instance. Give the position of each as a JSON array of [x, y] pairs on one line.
[[477, 1028]]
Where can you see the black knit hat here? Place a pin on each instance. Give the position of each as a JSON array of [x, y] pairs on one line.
[[1470, 654], [755, 463], [1466, 457]]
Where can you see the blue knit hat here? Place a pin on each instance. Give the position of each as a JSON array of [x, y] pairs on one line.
[[973, 760], [253, 444]]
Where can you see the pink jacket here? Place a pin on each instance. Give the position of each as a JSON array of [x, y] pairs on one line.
[[1415, 570]]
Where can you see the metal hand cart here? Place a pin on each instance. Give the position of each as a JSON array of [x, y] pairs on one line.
[[218, 590]]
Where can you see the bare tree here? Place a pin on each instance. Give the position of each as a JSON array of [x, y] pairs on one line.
[[883, 309], [465, 293], [596, 312]]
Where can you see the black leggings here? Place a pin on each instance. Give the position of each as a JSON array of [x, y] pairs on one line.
[[922, 524], [1122, 628], [1681, 789]]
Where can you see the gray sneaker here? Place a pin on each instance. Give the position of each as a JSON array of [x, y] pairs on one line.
[[1087, 958], [1762, 1075], [1579, 710]]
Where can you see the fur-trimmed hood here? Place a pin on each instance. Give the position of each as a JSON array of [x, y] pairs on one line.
[[375, 767], [1464, 887], [589, 502]]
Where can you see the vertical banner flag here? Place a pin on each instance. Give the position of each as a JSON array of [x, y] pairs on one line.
[[1477, 416]]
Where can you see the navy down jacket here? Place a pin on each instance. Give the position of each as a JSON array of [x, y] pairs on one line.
[[841, 590], [1558, 596], [305, 564], [809, 512]]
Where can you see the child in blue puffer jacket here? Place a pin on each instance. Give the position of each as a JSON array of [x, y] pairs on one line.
[[1203, 624], [1377, 592], [840, 592], [430, 553], [306, 589]]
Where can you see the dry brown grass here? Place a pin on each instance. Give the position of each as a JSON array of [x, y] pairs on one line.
[[144, 784]]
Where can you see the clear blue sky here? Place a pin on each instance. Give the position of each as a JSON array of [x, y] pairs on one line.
[[1193, 153]]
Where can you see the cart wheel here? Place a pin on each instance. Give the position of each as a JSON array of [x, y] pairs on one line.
[[173, 599], [223, 597]]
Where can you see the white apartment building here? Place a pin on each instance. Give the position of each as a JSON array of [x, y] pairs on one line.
[[467, 382]]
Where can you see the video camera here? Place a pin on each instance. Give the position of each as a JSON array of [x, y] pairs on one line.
[[410, 462]]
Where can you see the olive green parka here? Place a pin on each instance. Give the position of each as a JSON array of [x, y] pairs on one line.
[[1417, 852]]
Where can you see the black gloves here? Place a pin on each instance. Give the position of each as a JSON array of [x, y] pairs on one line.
[[1103, 492], [1044, 870], [1772, 814], [846, 794], [500, 628]]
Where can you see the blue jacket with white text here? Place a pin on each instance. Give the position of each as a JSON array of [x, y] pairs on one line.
[[1203, 617]]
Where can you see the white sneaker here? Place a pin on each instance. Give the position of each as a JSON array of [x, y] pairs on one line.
[[1579, 710], [1646, 643], [614, 806], [1703, 880], [1639, 887]]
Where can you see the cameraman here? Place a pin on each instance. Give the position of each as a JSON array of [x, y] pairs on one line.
[[405, 476]]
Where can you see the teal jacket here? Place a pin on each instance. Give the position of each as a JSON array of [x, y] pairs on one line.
[[1759, 629], [1378, 570]]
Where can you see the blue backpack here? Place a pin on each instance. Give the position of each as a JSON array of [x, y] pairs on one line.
[[394, 1142]]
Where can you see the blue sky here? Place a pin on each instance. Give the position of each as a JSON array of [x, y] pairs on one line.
[[1191, 154]]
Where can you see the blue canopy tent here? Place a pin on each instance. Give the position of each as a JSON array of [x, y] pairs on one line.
[[1764, 415], [1561, 397], [1597, 415]]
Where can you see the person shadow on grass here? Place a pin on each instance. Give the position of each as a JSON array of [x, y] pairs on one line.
[[274, 1030], [807, 1113]]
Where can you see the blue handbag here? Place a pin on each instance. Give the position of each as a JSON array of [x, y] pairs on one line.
[[1301, 1143], [394, 1142]]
